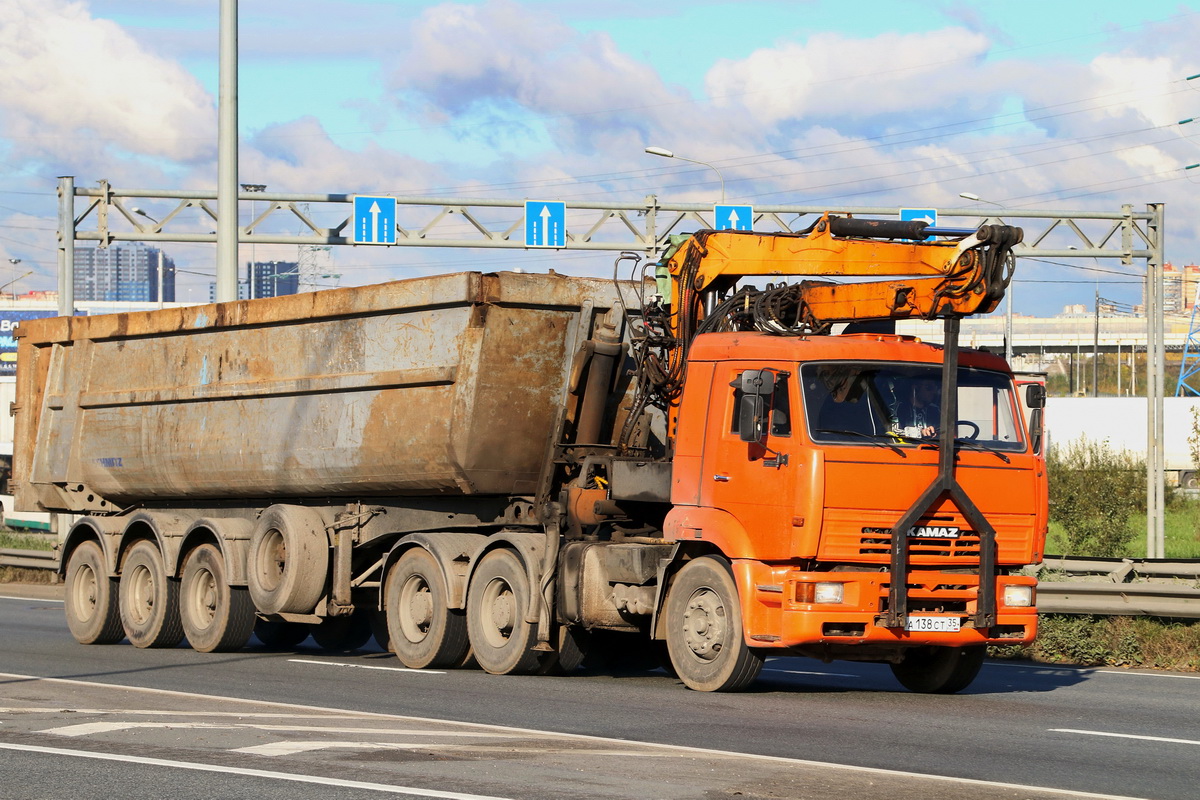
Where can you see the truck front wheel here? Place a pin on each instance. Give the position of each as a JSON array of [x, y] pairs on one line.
[[149, 600], [217, 617], [939, 670], [423, 630], [704, 629], [91, 598], [496, 601]]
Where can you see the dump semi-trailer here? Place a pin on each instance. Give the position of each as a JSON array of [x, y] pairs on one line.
[[500, 466]]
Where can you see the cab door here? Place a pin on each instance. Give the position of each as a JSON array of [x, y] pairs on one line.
[[753, 481]]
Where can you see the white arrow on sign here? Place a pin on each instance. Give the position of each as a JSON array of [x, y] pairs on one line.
[[374, 211], [733, 218], [545, 225]]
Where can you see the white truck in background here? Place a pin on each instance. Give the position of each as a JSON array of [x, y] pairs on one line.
[[1121, 422]]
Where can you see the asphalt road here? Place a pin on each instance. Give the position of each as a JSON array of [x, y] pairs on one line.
[[81, 721]]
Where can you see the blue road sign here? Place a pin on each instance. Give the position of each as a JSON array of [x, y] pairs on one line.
[[545, 224], [920, 215], [733, 218], [374, 220]]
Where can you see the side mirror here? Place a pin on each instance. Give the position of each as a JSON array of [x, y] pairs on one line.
[[752, 418], [1035, 395], [759, 382], [1035, 428]]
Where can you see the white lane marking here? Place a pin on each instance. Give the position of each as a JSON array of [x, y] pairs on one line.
[[30, 599], [1148, 674], [291, 748], [1067, 670], [1127, 736], [806, 672], [363, 666], [92, 728], [585, 738], [253, 773], [1041, 667]]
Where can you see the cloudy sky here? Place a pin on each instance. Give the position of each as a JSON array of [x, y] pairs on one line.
[[1051, 105]]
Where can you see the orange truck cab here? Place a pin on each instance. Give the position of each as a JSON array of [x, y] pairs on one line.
[[805, 512]]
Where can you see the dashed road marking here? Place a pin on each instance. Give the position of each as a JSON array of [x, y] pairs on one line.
[[363, 666], [1144, 738], [253, 773]]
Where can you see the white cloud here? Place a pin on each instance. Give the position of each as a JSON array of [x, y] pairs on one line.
[[75, 86], [521, 58], [832, 77]]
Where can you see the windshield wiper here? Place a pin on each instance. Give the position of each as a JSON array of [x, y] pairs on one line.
[[873, 438], [971, 444]]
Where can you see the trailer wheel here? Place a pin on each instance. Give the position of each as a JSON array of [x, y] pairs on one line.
[[148, 599], [704, 629], [424, 630], [496, 601], [939, 670], [277, 635], [91, 598], [217, 617], [289, 557]]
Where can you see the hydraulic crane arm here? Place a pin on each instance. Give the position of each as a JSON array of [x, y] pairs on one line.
[[941, 278]]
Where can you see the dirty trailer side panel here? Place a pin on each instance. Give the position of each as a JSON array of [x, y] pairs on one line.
[[440, 385]]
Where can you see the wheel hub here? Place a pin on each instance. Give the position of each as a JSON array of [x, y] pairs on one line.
[[705, 625]]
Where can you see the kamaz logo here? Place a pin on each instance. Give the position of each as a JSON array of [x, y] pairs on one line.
[[933, 532], [110, 463]]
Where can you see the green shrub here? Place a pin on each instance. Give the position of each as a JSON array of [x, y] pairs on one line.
[[1091, 641], [1094, 491]]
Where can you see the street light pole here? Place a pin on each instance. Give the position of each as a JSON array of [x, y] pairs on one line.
[[12, 284], [254, 188], [662, 152], [1008, 296]]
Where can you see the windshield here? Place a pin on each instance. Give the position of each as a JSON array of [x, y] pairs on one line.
[[901, 403]]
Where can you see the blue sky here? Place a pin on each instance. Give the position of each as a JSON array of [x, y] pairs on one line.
[[1046, 105]]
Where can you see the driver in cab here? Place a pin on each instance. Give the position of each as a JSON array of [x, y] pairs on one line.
[[919, 414]]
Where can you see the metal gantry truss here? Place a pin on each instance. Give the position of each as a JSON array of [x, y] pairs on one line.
[[643, 227], [427, 221]]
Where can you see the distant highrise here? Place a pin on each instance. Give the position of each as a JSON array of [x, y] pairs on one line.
[[124, 272], [265, 279], [1179, 288]]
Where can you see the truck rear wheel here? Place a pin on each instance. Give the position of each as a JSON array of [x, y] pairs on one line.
[[496, 601], [148, 599], [939, 670], [217, 617], [423, 629], [91, 598], [289, 556], [704, 629]]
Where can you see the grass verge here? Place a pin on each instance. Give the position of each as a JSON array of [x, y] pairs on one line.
[[1091, 641]]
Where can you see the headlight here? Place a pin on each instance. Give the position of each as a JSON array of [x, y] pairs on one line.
[[1018, 596], [829, 593]]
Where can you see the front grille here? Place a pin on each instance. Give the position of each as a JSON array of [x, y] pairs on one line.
[[878, 542]]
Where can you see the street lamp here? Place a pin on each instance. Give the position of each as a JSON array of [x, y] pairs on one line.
[[1008, 301], [254, 188], [141, 213], [12, 283], [662, 152]]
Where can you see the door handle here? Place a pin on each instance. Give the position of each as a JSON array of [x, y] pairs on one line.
[[721, 478]]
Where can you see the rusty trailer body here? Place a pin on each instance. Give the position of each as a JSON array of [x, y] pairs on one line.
[[447, 385]]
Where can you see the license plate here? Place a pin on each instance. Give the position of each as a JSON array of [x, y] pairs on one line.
[[928, 624]]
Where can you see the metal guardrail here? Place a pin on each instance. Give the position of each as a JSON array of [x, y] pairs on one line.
[[28, 559], [1106, 587], [1119, 587]]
